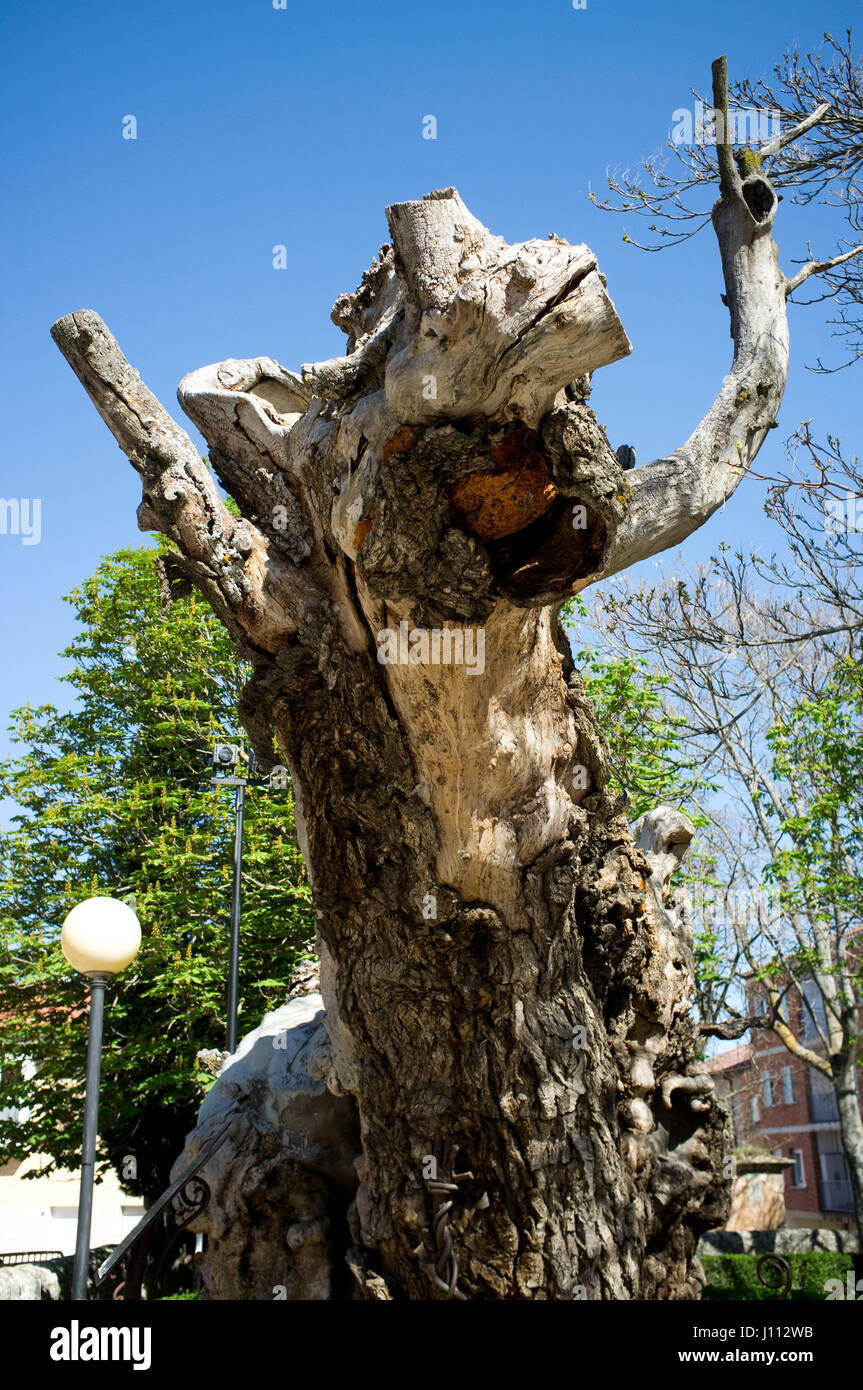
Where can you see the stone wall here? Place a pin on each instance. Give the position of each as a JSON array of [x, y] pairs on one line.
[[50, 1280], [781, 1242]]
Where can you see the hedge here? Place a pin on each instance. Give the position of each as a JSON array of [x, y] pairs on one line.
[[734, 1276]]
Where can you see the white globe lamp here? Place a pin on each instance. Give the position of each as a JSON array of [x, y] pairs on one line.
[[100, 936]]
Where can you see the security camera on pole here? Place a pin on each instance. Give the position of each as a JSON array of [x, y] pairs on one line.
[[226, 759]]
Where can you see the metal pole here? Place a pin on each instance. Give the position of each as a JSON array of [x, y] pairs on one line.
[[91, 1128], [234, 963]]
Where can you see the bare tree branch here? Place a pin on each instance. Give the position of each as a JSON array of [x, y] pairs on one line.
[[228, 558], [818, 268], [787, 137]]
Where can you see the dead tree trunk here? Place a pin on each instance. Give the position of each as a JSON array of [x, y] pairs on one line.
[[507, 984]]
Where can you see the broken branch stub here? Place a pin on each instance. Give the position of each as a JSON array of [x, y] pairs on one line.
[[228, 559], [489, 330]]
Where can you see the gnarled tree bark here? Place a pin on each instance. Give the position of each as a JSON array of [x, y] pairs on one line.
[[506, 980]]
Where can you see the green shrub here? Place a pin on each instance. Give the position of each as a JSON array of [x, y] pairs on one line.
[[735, 1277]]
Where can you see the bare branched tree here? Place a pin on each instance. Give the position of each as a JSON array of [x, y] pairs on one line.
[[747, 644], [815, 154]]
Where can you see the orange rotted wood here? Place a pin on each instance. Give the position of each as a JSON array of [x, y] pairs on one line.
[[500, 501]]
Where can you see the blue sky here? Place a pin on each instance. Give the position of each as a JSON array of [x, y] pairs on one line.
[[258, 127]]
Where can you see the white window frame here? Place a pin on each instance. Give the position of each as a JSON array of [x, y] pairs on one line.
[[797, 1155], [754, 1113], [767, 1090], [789, 1095]]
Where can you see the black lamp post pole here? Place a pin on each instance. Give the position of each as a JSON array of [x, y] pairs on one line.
[[236, 891], [91, 1129]]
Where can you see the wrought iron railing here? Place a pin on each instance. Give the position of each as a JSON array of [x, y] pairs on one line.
[[28, 1257], [181, 1203]]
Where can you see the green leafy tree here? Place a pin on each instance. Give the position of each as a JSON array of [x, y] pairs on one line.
[[115, 799], [644, 738], [651, 765], [818, 750]]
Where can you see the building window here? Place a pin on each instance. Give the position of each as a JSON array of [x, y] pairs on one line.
[[753, 1109], [760, 1006], [788, 1086], [836, 1191], [814, 1011], [767, 1090], [823, 1107], [798, 1174]]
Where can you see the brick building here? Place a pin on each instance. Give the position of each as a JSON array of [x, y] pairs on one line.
[[783, 1105]]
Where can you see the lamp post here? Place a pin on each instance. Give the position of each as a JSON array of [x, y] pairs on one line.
[[226, 758], [236, 894], [100, 937]]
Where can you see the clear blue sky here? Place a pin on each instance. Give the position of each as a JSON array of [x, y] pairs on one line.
[[259, 126]]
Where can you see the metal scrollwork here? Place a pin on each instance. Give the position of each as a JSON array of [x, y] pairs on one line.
[[774, 1272], [182, 1202]]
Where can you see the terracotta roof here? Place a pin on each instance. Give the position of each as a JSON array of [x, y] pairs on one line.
[[48, 1012], [733, 1057]]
